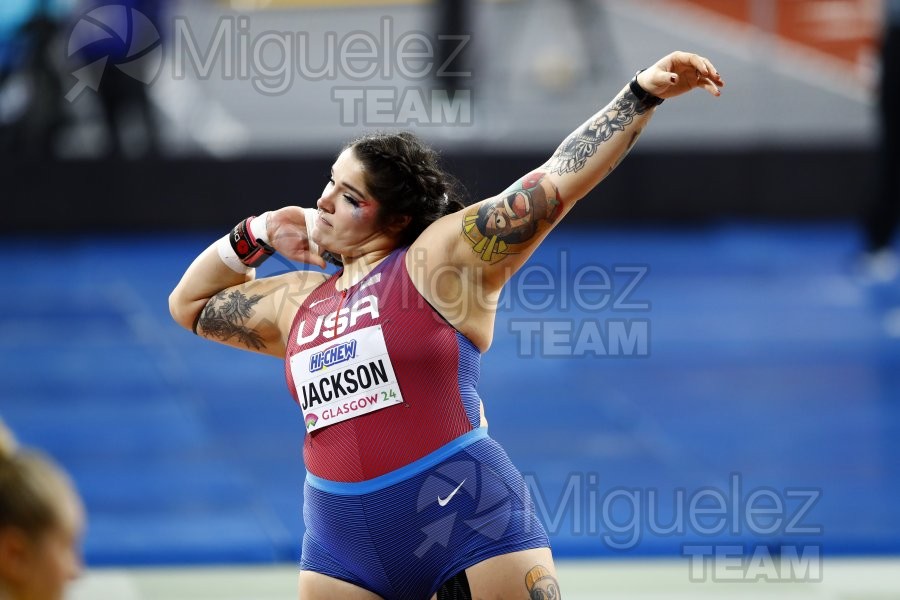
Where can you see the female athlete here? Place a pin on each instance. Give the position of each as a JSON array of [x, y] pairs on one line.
[[406, 495]]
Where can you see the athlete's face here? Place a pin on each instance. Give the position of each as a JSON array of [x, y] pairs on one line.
[[347, 223]]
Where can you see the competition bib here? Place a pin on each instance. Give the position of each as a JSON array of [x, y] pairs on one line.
[[349, 377]]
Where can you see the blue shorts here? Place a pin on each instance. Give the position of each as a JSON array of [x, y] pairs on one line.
[[402, 535]]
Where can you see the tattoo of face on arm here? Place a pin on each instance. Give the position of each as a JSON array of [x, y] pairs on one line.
[[541, 584], [512, 218], [575, 151], [224, 316]]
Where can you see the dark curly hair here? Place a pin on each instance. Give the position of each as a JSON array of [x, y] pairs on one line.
[[405, 176]]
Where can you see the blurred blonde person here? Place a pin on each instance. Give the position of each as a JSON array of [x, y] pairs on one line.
[[41, 519]]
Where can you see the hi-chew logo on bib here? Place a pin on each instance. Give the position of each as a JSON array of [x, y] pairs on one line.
[[332, 356], [354, 377]]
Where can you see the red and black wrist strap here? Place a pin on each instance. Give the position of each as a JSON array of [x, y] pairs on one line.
[[250, 250]]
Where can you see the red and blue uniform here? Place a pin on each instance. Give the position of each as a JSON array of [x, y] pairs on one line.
[[404, 489]]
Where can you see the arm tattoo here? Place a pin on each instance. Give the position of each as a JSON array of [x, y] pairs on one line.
[[634, 139], [541, 584], [512, 217], [224, 316], [575, 151]]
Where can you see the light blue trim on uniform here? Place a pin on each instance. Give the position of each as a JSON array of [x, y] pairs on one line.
[[358, 488]]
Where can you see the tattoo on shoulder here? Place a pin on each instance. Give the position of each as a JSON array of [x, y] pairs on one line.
[[224, 316], [541, 584], [575, 151], [499, 225]]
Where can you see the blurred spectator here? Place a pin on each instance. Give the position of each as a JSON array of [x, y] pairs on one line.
[[598, 44], [41, 518], [453, 21], [881, 262], [557, 64], [123, 93], [32, 105]]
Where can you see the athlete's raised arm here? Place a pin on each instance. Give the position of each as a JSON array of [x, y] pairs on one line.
[[220, 298], [464, 259], [593, 150], [489, 240]]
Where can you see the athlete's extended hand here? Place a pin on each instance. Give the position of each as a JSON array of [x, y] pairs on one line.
[[288, 235], [680, 72]]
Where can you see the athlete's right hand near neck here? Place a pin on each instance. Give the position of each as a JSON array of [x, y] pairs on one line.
[[235, 308], [289, 230]]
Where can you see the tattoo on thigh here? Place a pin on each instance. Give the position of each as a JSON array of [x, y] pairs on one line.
[[224, 315], [541, 584], [499, 225]]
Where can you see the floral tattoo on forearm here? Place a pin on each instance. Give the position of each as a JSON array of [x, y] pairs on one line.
[[574, 152], [224, 316]]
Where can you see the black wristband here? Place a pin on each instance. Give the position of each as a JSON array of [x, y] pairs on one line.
[[251, 252], [646, 99]]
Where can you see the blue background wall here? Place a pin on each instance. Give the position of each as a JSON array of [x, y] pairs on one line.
[[770, 360], [773, 355]]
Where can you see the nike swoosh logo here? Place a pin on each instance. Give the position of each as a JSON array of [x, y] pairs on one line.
[[370, 281], [444, 501], [319, 302]]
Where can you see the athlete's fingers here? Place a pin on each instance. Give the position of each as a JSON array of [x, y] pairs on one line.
[[658, 81], [715, 77], [704, 69], [305, 255], [707, 84], [313, 259]]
